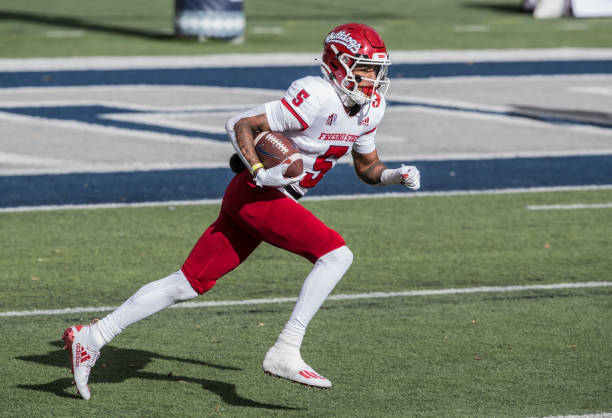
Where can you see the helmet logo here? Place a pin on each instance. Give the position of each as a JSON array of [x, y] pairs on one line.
[[345, 39]]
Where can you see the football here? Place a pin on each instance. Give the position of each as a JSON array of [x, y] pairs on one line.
[[274, 148]]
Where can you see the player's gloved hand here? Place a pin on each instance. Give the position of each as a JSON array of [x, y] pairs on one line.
[[407, 175], [273, 177]]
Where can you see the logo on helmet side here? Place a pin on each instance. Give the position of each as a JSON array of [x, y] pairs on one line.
[[345, 39]]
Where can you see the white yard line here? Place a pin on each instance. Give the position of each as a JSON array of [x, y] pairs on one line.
[[601, 415], [373, 295], [268, 60], [170, 203], [570, 207]]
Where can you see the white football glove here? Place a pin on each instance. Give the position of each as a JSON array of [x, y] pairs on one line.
[[407, 175], [274, 177]]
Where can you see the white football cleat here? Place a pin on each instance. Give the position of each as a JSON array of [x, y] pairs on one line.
[[82, 356], [290, 365]]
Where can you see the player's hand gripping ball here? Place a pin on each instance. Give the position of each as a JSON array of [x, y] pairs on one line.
[[274, 148]]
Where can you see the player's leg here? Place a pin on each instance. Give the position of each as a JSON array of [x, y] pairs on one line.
[[220, 249], [284, 223], [284, 358], [84, 342]]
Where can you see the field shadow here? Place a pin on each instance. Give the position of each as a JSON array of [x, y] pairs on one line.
[[598, 118], [121, 364], [71, 22]]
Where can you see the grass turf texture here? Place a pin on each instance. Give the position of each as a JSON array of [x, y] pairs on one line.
[[529, 353], [145, 27], [517, 354], [98, 257]]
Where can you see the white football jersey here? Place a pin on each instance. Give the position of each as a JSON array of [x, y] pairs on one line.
[[313, 117]]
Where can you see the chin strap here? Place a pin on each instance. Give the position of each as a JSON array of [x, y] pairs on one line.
[[346, 100], [344, 97], [354, 109]]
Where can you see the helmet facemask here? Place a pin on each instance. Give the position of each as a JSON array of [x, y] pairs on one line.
[[350, 83], [348, 86]]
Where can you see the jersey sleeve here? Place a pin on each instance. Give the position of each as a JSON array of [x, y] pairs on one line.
[[297, 109], [280, 119], [365, 143]]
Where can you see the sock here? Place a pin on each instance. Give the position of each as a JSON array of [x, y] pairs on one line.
[[326, 273], [149, 299], [288, 343]]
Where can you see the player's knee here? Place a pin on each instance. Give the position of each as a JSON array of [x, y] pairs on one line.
[[181, 288], [342, 255], [200, 282], [347, 255]]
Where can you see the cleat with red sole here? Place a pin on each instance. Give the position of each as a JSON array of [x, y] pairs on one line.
[[324, 384], [83, 356]]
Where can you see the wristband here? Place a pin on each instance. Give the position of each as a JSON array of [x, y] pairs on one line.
[[255, 167], [388, 176]]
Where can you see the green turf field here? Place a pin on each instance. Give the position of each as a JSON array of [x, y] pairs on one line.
[[512, 354], [529, 353], [455, 241], [32, 28]]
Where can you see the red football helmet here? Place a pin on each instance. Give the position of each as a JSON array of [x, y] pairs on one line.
[[347, 47]]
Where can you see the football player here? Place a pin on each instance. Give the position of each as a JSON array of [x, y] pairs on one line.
[[326, 117]]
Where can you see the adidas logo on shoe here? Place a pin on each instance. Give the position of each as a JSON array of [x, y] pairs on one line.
[[310, 375], [80, 355]]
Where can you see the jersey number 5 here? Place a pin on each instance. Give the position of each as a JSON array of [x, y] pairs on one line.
[[300, 97], [322, 165]]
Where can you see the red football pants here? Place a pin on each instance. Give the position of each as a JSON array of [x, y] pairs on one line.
[[249, 215]]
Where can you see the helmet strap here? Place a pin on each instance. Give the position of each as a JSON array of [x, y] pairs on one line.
[[354, 109]]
